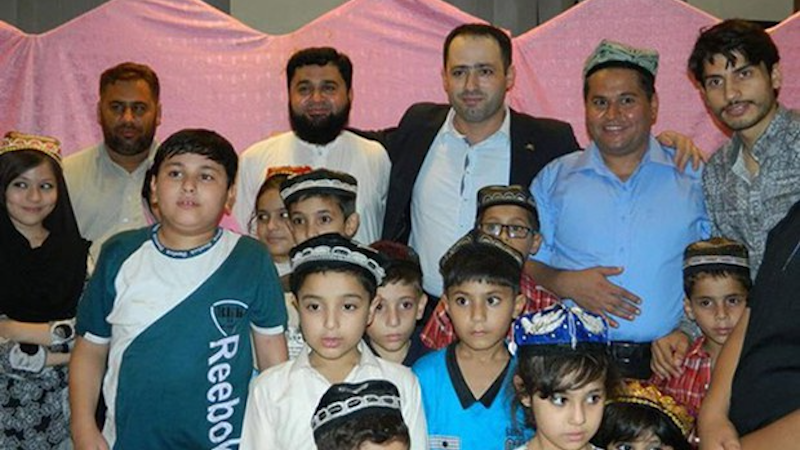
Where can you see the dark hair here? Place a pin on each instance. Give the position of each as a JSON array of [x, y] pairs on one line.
[[299, 275], [625, 422], [129, 71], [320, 56], [646, 79], [721, 246], [199, 142], [482, 263], [374, 428], [402, 264], [15, 163], [346, 203], [481, 30], [546, 375], [272, 182], [729, 38]]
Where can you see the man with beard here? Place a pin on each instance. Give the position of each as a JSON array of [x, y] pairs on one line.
[[320, 92], [105, 181]]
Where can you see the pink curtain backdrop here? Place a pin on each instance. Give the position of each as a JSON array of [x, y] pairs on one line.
[[218, 73]]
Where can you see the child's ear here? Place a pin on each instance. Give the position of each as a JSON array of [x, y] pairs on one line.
[[443, 299], [519, 304], [687, 308], [229, 202], [536, 244], [373, 306], [351, 225], [421, 304], [519, 386]]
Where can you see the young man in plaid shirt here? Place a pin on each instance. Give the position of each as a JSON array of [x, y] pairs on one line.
[[716, 279], [508, 213]]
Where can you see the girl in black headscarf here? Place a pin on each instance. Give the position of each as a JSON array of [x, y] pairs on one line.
[[42, 272]]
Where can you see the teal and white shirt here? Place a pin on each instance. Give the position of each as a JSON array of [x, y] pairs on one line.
[[178, 327]]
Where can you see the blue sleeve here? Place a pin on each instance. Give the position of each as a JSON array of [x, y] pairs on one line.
[[98, 298], [541, 189]]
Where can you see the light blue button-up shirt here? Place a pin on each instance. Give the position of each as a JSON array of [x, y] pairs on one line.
[[589, 217], [444, 201]]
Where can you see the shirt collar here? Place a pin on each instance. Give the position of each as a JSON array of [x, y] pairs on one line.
[[302, 361], [773, 132], [697, 348], [591, 159], [504, 130], [105, 159]]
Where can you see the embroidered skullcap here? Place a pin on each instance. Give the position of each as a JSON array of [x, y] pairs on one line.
[[716, 254], [14, 141], [347, 401], [610, 53], [319, 182], [559, 329], [335, 248], [398, 256], [515, 195], [638, 393], [478, 241], [287, 170]]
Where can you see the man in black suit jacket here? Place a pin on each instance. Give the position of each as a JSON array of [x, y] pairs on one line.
[[477, 74]]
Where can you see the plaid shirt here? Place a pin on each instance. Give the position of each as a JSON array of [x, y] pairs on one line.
[[439, 333], [691, 386]]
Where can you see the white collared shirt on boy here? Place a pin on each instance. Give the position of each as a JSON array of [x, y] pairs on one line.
[[283, 399]]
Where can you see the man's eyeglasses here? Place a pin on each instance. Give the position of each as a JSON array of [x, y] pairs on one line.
[[512, 231]]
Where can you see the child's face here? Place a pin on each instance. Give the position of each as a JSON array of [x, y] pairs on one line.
[[192, 193], [334, 312], [482, 312], [272, 224], [399, 307], [31, 197], [648, 441], [317, 215], [716, 304], [567, 420], [518, 222]]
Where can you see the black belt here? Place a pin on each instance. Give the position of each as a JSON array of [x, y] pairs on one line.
[[632, 358]]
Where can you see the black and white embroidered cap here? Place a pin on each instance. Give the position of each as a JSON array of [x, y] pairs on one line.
[[333, 247], [348, 401], [319, 182]]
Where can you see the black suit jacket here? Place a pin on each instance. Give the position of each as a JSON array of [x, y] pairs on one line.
[[534, 143]]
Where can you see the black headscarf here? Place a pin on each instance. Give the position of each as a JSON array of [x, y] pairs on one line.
[[40, 284]]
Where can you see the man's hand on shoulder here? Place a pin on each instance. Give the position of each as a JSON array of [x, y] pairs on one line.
[[591, 289], [685, 149]]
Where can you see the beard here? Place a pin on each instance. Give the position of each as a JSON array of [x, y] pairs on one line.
[[321, 131], [128, 147]]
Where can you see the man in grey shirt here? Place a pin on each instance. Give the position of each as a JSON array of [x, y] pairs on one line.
[[105, 181], [750, 182]]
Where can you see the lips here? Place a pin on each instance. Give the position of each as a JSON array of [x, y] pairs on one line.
[[737, 109], [330, 342], [187, 203], [723, 331]]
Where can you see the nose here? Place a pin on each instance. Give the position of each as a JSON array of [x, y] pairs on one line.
[[316, 95], [612, 111], [188, 184], [127, 114], [392, 317], [34, 194], [732, 91], [721, 312], [331, 319], [577, 415], [471, 81], [478, 312]]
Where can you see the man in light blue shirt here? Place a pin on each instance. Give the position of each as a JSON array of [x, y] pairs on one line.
[[620, 212]]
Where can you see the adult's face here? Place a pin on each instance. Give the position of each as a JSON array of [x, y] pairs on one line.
[[319, 103], [475, 80], [741, 95], [129, 115], [619, 115]]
